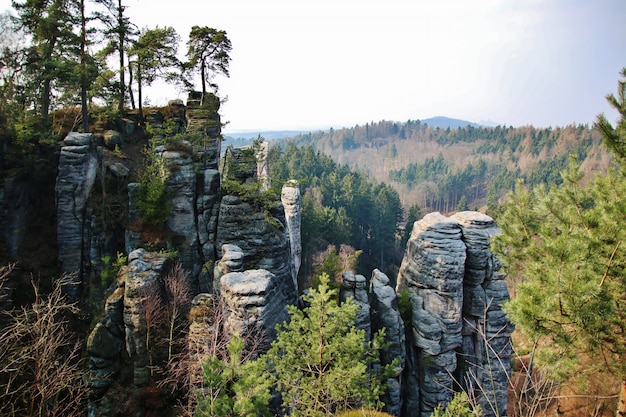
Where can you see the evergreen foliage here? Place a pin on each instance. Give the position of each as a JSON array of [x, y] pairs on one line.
[[339, 205], [233, 387], [320, 363], [567, 246], [460, 406], [153, 202]]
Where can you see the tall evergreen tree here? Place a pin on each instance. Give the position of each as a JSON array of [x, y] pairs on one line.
[[209, 49], [568, 246], [50, 24], [320, 362], [154, 55]]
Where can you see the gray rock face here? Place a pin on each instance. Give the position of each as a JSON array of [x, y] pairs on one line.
[[255, 301], [181, 186], [354, 286], [78, 166], [105, 344], [432, 272], [207, 210], [386, 315], [265, 245], [232, 261], [487, 346], [143, 279], [456, 296], [292, 202], [14, 212]]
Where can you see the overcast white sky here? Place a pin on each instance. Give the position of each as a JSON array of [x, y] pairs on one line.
[[309, 64]]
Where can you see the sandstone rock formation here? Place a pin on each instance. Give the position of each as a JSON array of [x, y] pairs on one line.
[[354, 287], [256, 301], [486, 330], [386, 315], [292, 203], [448, 271], [78, 166]]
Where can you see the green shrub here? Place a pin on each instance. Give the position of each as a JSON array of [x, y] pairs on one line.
[[460, 406], [153, 200]]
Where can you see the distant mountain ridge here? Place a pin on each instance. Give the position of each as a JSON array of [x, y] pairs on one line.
[[249, 135], [448, 122]]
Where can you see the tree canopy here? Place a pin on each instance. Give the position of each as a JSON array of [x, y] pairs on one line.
[[567, 246], [320, 362], [209, 50]]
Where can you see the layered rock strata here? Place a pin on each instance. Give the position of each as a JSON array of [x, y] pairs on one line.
[[79, 163], [457, 324], [487, 349]]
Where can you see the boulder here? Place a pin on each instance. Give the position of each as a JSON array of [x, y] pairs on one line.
[[113, 139]]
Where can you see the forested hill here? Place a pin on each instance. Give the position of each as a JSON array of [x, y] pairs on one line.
[[467, 167]]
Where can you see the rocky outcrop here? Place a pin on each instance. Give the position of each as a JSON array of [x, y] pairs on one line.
[[14, 212], [121, 337], [386, 315], [448, 271], [355, 287], [261, 237], [181, 187], [486, 331], [78, 166], [231, 261], [143, 282], [292, 203], [256, 301], [432, 273]]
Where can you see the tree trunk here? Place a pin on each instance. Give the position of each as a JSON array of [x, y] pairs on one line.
[[130, 86], [202, 77], [139, 98], [83, 68], [621, 403], [121, 43]]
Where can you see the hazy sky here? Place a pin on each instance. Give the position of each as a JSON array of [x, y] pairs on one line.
[[307, 64]]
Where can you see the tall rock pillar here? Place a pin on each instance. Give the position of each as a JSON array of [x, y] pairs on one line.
[[78, 167], [432, 273], [487, 349]]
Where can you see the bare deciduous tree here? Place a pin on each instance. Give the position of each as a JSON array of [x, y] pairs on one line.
[[41, 373]]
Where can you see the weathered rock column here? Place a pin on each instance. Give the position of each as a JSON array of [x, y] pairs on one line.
[[386, 315], [487, 346], [78, 166], [290, 197], [432, 272], [255, 304], [353, 286]]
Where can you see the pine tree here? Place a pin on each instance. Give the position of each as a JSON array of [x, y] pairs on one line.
[[567, 245], [320, 363]]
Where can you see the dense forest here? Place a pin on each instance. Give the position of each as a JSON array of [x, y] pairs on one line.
[[442, 169]]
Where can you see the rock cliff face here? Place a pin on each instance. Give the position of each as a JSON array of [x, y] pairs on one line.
[[78, 166], [459, 334]]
